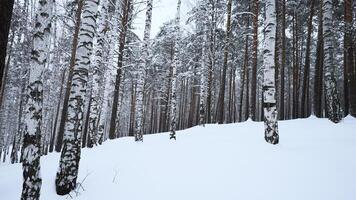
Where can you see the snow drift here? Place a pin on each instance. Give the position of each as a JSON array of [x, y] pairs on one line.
[[315, 160]]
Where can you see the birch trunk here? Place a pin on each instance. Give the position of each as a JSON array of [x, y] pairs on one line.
[[332, 99], [32, 132], [173, 110], [142, 73], [98, 69], [203, 79], [269, 90], [66, 179]]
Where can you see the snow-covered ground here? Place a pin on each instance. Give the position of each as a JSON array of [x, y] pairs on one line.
[[315, 160]]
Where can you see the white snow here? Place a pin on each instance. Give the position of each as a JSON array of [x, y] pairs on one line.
[[315, 160]]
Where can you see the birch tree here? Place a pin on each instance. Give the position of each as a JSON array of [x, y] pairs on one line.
[[203, 78], [66, 179], [175, 65], [331, 94], [97, 71], [269, 89], [142, 73], [32, 132]]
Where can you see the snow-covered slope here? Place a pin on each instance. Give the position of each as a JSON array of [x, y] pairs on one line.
[[315, 160]]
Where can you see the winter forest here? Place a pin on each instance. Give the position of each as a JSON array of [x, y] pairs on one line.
[[76, 75]]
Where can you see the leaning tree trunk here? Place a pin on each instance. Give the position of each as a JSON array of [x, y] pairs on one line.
[[141, 74], [66, 179], [269, 90], [33, 117], [331, 94], [175, 64]]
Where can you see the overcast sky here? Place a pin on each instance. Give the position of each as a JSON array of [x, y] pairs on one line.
[[163, 11]]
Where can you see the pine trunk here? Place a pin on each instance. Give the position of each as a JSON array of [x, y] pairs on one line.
[[122, 42], [221, 100], [349, 64]]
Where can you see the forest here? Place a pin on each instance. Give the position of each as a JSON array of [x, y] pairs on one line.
[[74, 73]]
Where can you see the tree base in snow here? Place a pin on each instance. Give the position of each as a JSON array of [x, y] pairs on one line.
[[172, 135], [274, 139], [64, 189]]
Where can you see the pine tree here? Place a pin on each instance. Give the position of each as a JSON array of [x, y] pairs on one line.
[[33, 118], [124, 23], [221, 100], [332, 99], [269, 91], [142, 74], [66, 179], [349, 63], [319, 68], [305, 92], [254, 59]]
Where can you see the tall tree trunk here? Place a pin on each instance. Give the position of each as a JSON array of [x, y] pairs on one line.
[[97, 70], [142, 73], [122, 42], [254, 60], [175, 65], [269, 90], [33, 116], [203, 79], [243, 80], [51, 146], [66, 179], [305, 91], [349, 64], [332, 98], [60, 133], [283, 62], [319, 66], [6, 7], [221, 100], [295, 67]]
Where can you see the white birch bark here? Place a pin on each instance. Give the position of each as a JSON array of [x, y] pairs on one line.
[[97, 69], [33, 117], [333, 108], [269, 89], [203, 78], [142, 73], [175, 65], [66, 179]]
